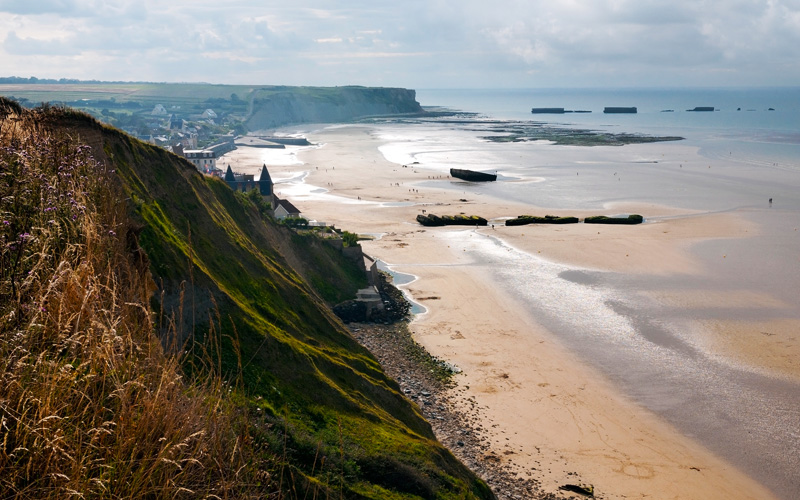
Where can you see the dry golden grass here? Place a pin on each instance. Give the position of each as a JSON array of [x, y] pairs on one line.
[[90, 405]]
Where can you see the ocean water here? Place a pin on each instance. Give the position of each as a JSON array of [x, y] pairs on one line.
[[764, 140], [742, 122], [732, 161], [736, 109]]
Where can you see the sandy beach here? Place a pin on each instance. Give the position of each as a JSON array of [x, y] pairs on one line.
[[551, 407]]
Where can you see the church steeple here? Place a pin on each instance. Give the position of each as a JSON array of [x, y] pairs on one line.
[[264, 176], [229, 177], [265, 182]]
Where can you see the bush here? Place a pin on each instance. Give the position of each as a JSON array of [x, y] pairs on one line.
[[349, 239], [295, 222], [264, 206]]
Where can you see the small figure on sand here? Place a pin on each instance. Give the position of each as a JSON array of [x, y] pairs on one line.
[[770, 202]]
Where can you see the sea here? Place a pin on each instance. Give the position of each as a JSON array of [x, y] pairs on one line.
[[750, 115], [743, 158], [758, 125]]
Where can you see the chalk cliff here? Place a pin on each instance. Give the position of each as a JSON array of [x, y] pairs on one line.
[[278, 106]]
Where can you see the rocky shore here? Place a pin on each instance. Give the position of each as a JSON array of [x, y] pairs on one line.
[[430, 383]]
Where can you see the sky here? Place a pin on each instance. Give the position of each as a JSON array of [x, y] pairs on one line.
[[422, 44]]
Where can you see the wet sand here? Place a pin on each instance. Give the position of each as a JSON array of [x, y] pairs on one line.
[[566, 335]]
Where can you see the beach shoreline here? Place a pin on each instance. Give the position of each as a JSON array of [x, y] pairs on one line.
[[547, 412]]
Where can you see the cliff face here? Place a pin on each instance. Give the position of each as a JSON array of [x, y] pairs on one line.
[[278, 107], [315, 398]]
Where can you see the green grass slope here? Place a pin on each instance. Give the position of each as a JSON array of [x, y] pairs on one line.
[[323, 403], [90, 404]]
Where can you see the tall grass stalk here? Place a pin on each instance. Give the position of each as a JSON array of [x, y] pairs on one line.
[[90, 404]]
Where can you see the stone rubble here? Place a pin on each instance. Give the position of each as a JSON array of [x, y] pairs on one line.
[[423, 379]]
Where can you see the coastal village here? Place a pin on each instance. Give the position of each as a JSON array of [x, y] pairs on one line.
[[377, 302], [181, 138]]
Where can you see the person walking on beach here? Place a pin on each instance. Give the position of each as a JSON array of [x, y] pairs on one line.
[[770, 202]]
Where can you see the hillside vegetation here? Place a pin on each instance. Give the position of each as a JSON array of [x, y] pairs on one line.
[[156, 339], [237, 108]]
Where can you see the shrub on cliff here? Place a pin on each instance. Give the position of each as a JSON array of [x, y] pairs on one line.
[[349, 239], [295, 222]]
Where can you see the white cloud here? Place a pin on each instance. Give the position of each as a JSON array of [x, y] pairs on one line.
[[37, 8], [421, 43], [15, 45]]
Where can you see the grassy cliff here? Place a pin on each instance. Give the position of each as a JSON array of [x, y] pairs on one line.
[[262, 391]]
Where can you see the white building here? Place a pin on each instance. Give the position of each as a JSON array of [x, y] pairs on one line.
[[202, 159], [283, 209]]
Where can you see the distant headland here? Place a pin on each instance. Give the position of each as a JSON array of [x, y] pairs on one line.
[[200, 114]]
